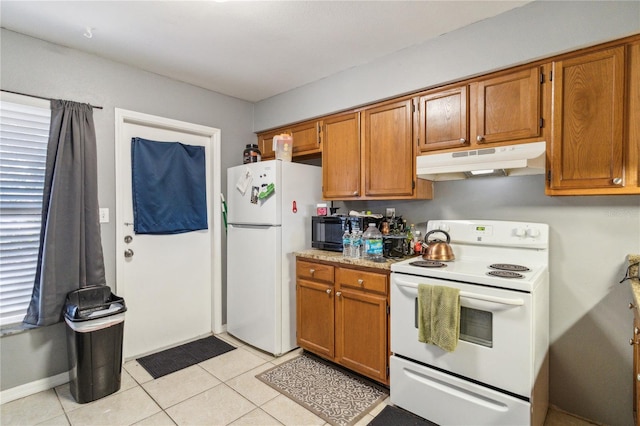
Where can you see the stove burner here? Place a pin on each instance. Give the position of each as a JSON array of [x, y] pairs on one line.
[[505, 274], [428, 264], [509, 267]]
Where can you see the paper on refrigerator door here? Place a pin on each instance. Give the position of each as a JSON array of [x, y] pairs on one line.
[[244, 181]]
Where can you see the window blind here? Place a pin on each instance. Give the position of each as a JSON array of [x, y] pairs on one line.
[[24, 132]]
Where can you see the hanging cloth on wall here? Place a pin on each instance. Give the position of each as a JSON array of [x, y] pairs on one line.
[[168, 186]]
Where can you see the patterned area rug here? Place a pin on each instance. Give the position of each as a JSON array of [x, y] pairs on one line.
[[336, 395]]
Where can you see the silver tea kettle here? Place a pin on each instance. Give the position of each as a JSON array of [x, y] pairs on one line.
[[437, 250]]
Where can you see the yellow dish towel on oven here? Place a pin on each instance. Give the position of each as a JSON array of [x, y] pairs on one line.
[[439, 316]]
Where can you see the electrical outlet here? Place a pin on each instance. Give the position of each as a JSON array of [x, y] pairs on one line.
[[391, 212], [104, 215]]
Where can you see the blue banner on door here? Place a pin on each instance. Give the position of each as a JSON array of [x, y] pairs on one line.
[[168, 186]]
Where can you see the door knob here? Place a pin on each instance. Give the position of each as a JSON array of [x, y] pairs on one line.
[[128, 253]]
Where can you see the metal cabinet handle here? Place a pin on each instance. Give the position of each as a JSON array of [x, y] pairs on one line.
[[338, 294], [463, 140], [360, 281], [617, 181], [631, 305], [312, 271], [632, 342], [636, 330], [128, 253], [480, 138], [355, 192], [328, 291]]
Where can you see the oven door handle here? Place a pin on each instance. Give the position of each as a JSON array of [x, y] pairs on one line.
[[468, 295]]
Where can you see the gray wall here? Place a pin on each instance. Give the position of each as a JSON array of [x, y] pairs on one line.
[[591, 363], [35, 67], [521, 35]]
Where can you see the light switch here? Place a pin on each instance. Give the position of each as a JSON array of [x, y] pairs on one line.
[[104, 215]]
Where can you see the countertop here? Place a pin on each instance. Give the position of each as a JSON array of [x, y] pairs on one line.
[[635, 282], [334, 256]]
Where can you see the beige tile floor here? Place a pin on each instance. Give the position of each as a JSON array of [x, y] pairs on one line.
[[219, 391]]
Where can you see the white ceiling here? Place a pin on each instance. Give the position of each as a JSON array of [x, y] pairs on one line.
[[250, 50]]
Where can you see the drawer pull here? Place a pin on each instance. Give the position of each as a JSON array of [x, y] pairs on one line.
[[338, 294], [328, 291], [636, 330], [360, 281], [312, 271]]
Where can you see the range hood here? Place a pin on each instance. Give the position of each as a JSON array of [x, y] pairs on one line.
[[511, 160]]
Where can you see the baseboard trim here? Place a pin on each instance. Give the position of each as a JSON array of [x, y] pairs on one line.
[[30, 388]]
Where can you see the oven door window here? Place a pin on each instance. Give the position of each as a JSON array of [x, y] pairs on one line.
[[476, 326]]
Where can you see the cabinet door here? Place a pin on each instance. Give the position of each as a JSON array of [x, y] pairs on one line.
[[508, 107], [306, 138], [315, 317], [341, 157], [265, 144], [389, 158], [587, 136], [444, 119], [361, 333]]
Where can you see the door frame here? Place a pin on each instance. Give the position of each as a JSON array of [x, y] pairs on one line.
[[124, 117]]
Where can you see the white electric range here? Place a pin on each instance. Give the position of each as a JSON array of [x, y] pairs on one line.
[[498, 374]]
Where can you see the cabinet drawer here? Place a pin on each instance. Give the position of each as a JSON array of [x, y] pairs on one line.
[[362, 280], [314, 271]]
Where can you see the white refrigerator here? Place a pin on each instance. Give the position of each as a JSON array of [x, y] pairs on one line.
[[269, 209]]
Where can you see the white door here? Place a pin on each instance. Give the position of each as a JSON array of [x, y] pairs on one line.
[[171, 283]]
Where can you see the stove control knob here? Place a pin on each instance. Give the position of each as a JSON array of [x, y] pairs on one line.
[[519, 232], [533, 232]]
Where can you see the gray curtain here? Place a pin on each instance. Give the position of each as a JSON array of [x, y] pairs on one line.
[[70, 254]]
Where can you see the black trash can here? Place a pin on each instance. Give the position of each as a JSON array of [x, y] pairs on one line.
[[95, 326]]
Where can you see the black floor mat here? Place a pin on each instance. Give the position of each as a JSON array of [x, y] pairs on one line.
[[396, 416], [183, 356]]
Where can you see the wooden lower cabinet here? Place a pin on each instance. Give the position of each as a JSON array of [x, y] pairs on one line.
[[346, 320]]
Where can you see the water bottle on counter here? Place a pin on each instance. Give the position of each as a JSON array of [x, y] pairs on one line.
[[346, 244], [373, 243], [356, 244]]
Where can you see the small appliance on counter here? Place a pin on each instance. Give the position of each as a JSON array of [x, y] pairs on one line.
[[327, 231], [395, 246]]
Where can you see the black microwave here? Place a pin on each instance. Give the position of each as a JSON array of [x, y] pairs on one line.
[[327, 231]]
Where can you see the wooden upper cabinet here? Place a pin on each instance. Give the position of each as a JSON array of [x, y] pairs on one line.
[[588, 113], [306, 138], [389, 158], [265, 144], [443, 119], [341, 157], [507, 107]]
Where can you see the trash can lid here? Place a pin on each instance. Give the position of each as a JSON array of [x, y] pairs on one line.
[[92, 302]]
